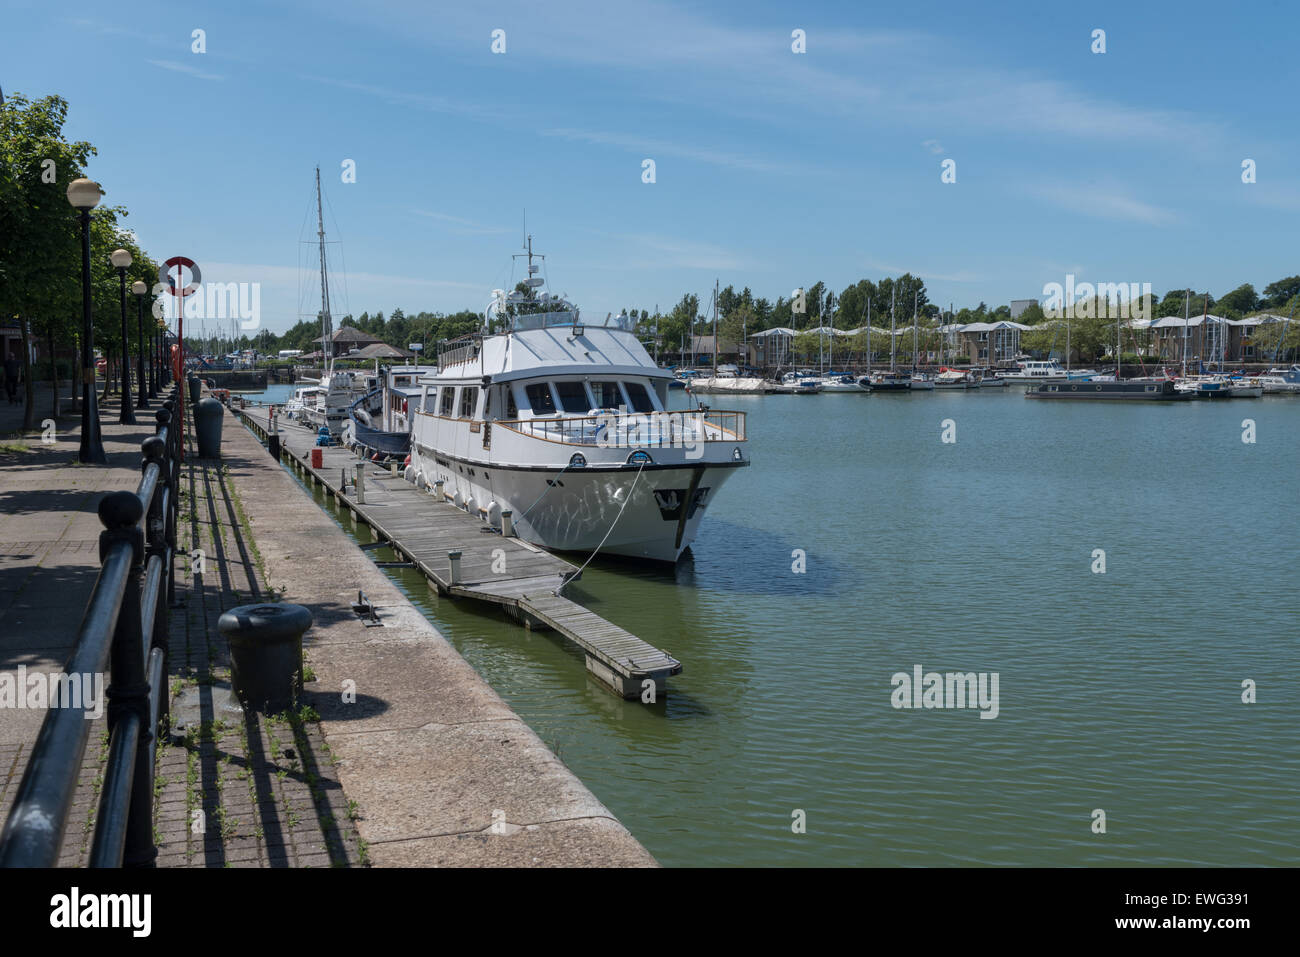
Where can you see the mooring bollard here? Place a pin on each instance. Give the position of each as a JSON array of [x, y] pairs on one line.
[[273, 445], [453, 559], [361, 484], [437, 491], [196, 388], [207, 427], [392, 467], [507, 523], [266, 654]]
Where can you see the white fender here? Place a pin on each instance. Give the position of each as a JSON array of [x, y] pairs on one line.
[[409, 474], [420, 481]]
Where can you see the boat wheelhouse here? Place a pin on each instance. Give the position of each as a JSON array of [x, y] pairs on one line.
[[565, 424]]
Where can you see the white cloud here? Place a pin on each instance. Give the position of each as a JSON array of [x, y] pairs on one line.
[[1100, 202], [185, 68], [653, 148], [462, 226]]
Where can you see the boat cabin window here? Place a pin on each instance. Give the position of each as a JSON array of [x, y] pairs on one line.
[[606, 395], [573, 397], [487, 403], [445, 407], [512, 410], [638, 398], [539, 397], [468, 398]]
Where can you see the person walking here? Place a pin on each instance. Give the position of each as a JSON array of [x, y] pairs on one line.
[[11, 379]]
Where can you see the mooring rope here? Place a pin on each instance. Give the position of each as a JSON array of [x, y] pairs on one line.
[[551, 483], [608, 532]]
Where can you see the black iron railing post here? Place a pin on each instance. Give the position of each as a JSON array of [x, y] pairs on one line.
[[128, 689], [155, 455]]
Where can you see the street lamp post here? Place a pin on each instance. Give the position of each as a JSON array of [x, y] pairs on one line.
[[84, 195], [140, 289], [121, 259]]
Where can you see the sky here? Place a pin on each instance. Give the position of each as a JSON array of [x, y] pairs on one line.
[[773, 169]]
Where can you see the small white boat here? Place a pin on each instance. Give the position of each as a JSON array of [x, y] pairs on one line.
[[726, 383], [1245, 388], [801, 383], [890, 382], [922, 383], [955, 379], [1277, 385], [841, 383]]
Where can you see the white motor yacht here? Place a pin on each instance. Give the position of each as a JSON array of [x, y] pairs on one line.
[[565, 424]]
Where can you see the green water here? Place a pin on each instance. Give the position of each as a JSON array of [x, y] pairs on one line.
[[1118, 691]]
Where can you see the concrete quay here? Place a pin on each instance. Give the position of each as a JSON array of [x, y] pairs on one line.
[[401, 756], [443, 771]]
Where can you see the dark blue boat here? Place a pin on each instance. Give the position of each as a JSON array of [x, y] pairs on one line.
[[361, 416]]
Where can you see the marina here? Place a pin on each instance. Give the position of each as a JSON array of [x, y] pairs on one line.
[[733, 710], [511, 449]]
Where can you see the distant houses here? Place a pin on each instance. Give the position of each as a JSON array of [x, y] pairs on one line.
[[1205, 337], [346, 339]]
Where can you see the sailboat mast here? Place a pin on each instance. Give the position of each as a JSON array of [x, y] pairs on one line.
[[715, 328], [892, 340], [1119, 364], [1187, 300], [1205, 320], [1067, 342], [868, 334], [916, 298], [326, 326]]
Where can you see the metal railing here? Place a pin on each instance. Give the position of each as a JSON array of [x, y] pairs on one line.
[[650, 429], [125, 628]]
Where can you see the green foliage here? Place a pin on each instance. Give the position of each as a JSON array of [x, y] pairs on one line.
[[1237, 303]]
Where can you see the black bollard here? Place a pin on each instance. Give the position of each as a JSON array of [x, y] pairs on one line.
[[207, 427], [266, 654]]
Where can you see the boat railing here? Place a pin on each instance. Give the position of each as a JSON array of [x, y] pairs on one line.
[[458, 351], [650, 429], [125, 629]]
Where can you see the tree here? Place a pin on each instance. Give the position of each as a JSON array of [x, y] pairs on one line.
[[40, 255], [1235, 304], [1032, 315], [1277, 294]]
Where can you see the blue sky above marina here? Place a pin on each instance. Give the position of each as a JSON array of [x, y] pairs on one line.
[[773, 169]]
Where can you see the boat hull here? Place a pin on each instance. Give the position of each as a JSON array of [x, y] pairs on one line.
[[576, 509], [1110, 391]]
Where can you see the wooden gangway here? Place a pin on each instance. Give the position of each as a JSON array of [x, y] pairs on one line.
[[525, 581]]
